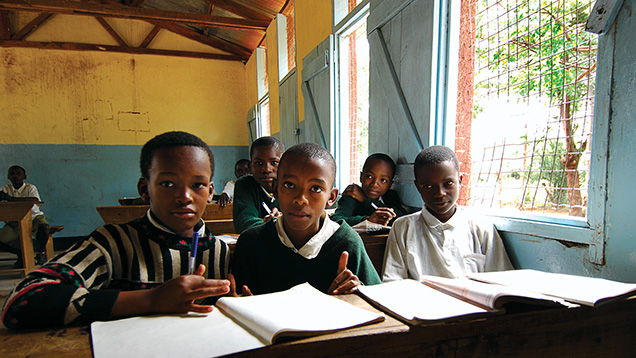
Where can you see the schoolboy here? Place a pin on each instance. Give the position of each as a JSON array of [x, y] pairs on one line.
[[254, 201], [373, 200], [441, 239], [18, 190], [241, 169], [303, 245], [140, 267]]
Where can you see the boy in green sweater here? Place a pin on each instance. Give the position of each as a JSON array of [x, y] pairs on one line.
[[303, 245], [254, 202]]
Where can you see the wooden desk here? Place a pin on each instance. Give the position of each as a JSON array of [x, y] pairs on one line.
[[20, 211], [606, 331], [218, 219], [375, 244]]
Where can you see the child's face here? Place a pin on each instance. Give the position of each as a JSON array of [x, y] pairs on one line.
[[242, 169], [16, 176], [305, 188], [179, 187], [265, 166], [376, 178], [439, 185]]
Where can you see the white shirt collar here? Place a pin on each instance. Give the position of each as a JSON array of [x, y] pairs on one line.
[[435, 223], [312, 248]]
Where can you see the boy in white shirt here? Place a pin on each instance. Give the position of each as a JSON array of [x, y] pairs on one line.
[[441, 239]]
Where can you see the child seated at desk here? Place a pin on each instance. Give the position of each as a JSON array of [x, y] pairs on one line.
[[441, 239], [303, 245], [374, 200], [254, 202], [18, 190], [241, 169], [140, 267]]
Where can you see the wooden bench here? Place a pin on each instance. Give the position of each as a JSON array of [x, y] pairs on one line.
[[217, 219], [50, 252]]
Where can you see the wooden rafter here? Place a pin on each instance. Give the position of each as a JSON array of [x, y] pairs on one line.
[[207, 40], [106, 48], [129, 12], [239, 9], [111, 31], [5, 29], [31, 26], [151, 35]]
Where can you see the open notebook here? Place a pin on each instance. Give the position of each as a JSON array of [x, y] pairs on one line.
[[236, 324]]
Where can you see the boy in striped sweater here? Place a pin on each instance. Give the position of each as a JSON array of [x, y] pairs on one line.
[[140, 267]]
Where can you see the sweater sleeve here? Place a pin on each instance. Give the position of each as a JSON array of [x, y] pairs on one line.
[[246, 210], [346, 211], [65, 291]]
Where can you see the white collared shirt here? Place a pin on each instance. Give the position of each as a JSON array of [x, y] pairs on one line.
[[25, 191], [312, 248], [419, 244]]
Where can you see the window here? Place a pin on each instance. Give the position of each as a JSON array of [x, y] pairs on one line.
[[353, 97], [286, 33], [525, 106], [262, 110]]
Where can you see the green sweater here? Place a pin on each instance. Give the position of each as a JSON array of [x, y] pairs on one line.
[[265, 265], [353, 211], [248, 210]]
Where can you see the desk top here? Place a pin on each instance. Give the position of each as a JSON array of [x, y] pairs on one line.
[[608, 330]]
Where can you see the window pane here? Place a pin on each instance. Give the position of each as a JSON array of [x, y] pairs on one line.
[[524, 124]]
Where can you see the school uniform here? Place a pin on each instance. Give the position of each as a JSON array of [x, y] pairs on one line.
[[266, 260], [82, 284], [248, 210], [354, 211], [10, 232], [419, 244]]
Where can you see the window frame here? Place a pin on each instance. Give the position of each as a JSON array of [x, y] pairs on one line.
[[589, 230]]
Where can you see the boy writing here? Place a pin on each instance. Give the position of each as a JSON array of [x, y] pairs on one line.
[[373, 200], [441, 239], [303, 245], [254, 201], [18, 190], [241, 169], [140, 267]]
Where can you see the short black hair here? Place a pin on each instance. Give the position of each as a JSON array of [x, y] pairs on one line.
[[383, 157], [312, 151], [243, 160], [267, 142], [171, 140], [17, 167], [433, 155]]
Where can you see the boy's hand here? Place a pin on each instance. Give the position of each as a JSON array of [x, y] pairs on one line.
[[224, 200], [273, 215], [233, 293], [382, 216], [354, 191], [177, 295], [345, 281]]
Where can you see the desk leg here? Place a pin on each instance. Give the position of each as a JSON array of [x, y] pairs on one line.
[[26, 226]]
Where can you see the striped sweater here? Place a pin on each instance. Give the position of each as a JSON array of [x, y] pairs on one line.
[[82, 284]]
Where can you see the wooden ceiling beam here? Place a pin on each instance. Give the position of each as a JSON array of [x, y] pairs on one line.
[[207, 40], [240, 10], [111, 31], [5, 28], [129, 12], [151, 35], [121, 49], [31, 26]]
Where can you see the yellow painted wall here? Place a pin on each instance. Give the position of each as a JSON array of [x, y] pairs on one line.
[[272, 72], [313, 25]]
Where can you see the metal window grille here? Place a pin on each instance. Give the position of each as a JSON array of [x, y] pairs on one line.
[[533, 67]]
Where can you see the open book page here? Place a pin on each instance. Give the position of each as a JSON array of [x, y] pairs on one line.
[[579, 289], [366, 226], [490, 295], [298, 312], [189, 335], [416, 303]]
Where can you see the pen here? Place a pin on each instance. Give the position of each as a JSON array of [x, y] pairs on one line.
[[193, 252], [269, 211], [375, 207]]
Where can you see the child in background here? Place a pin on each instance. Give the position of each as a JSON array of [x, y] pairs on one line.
[[18, 190], [374, 200], [140, 267], [241, 169], [303, 245], [442, 239], [254, 202]]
